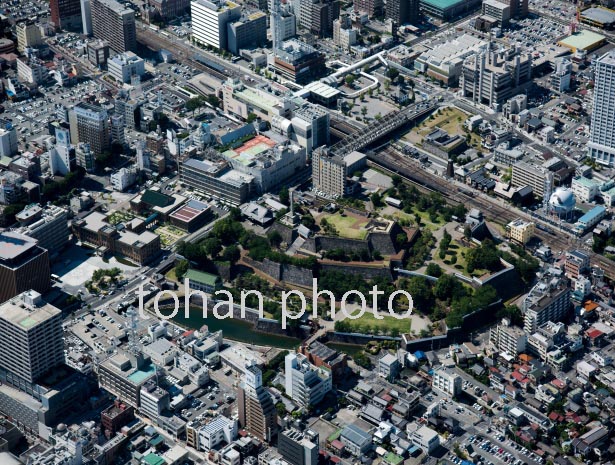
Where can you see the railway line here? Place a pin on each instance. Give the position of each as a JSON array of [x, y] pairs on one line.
[[392, 161]]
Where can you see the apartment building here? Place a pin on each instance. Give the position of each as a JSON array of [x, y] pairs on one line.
[[115, 24], [527, 174], [508, 339], [305, 383], [124, 374], [446, 381], [548, 300]]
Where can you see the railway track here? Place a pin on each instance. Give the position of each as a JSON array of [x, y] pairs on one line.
[[392, 161]]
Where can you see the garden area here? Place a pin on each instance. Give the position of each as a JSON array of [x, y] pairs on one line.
[[343, 224], [448, 119]]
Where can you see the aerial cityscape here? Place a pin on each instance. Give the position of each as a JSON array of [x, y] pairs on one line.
[[307, 232]]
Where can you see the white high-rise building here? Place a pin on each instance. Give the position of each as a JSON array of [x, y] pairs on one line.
[[209, 20], [305, 383], [602, 138], [31, 341], [59, 155]]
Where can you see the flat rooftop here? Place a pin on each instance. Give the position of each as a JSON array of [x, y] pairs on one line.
[[12, 245], [19, 314], [246, 153], [599, 15], [442, 4], [583, 40]]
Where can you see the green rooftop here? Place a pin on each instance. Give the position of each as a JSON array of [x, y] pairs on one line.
[[442, 4], [156, 440], [393, 459], [153, 459], [204, 278], [157, 199], [28, 322]]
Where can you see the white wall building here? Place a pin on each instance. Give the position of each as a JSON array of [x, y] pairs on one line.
[[217, 431], [124, 66], [447, 381], [8, 142], [305, 383], [209, 21], [123, 179]]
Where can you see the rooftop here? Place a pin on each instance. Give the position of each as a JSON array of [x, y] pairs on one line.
[[599, 15], [27, 316], [202, 277], [12, 245], [442, 4], [582, 40]]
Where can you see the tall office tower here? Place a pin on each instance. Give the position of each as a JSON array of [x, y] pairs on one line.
[[371, 7], [117, 129], [602, 138], [402, 11], [317, 16], [249, 32], [328, 172], [311, 125], [61, 155], [66, 14], [23, 265], [31, 341], [210, 19], [86, 17], [90, 124], [113, 22], [257, 413], [283, 25]]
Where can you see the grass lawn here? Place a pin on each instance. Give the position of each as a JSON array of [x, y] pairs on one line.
[[171, 276], [385, 325], [348, 226]]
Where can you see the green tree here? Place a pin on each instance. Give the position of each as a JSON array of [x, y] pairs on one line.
[[364, 111], [284, 196], [275, 238], [212, 246], [350, 79], [231, 254], [251, 117], [376, 199], [433, 269], [181, 269]]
